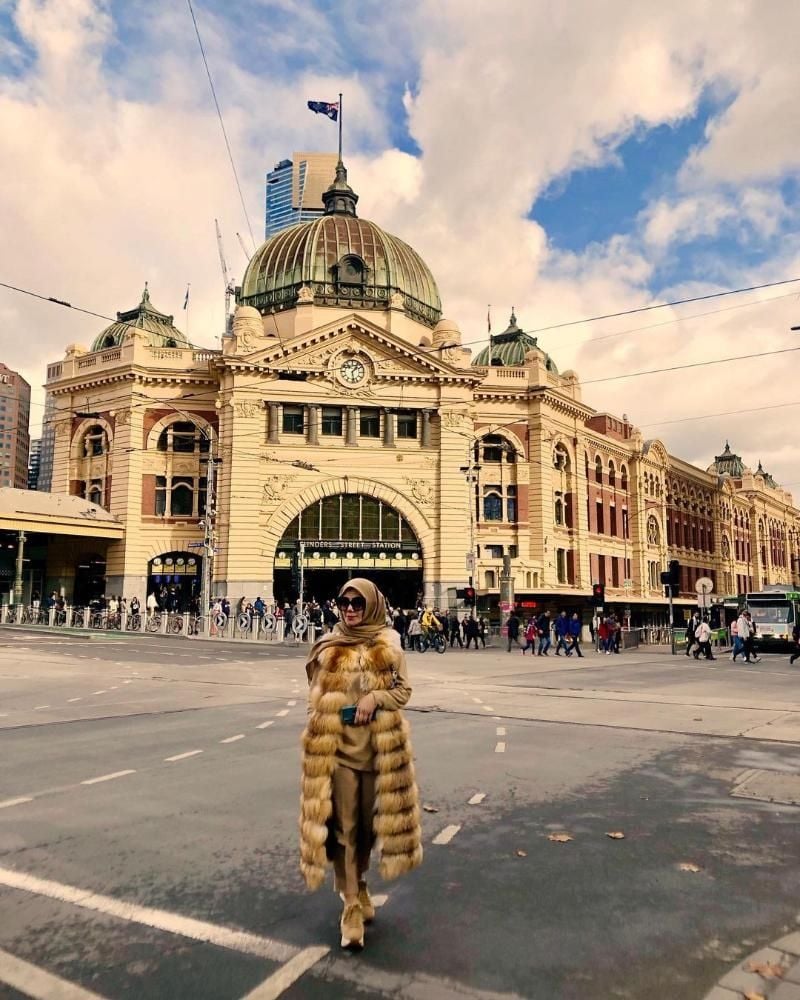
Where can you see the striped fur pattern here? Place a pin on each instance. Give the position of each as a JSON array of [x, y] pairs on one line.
[[397, 818]]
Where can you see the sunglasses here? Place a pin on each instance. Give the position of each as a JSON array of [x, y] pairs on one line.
[[357, 603]]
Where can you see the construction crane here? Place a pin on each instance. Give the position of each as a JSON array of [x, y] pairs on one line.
[[229, 287], [244, 248]]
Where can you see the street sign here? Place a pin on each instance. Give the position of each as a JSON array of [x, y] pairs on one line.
[[196, 545], [704, 585]]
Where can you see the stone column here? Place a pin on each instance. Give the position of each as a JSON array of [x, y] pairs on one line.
[[388, 428], [351, 439], [426, 428], [274, 416], [312, 416]]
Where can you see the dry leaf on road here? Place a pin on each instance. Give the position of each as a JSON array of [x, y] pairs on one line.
[[616, 835], [769, 970], [689, 866], [559, 838], [430, 809], [522, 854]]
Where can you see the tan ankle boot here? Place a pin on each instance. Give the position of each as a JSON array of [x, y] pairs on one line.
[[352, 926], [367, 906]]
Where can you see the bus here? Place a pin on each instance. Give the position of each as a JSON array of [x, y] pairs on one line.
[[775, 613]]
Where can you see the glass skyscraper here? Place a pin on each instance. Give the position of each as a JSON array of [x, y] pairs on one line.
[[294, 189]]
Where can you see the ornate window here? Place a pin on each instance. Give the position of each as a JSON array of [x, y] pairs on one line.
[[293, 420], [183, 437], [493, 503], [561, 458], [623, 476], [598, 469], [492, 447], [95, 441], [612, 475], [407, 424], [332, 421], [180, 496], [653, 532], [559, 510]]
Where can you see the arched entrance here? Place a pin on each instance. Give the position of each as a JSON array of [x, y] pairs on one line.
[[175, 578], [90, 580], [343, 536]]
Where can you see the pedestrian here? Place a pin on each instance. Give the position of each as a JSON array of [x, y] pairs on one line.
[[750, 640], [455, 630], [472, 631], [736, 642], [604, 633], [530, 636], [543, 629], [691, 631], [259, 608], [415, 634], [482, 627], [562, 631], [151, 604], [512, 631], [400, 625], [358, 776], [796, 641], [575, 626], [703, 636]]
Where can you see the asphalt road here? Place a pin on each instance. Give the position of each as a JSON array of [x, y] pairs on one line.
[[148, 817]]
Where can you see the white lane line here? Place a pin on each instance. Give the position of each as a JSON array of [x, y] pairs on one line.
[[107, 777], [36, 983], [283, 711], [288, 974], [500, 748], [182, 756], [127, 682], [501, 730], [7, 803], [266, 725], [476, 799], [291, 704], [40, 708], [70, 700], [487, 708], [173, 923], [447, 834], [478, 701], [114, 688], [101, 691], [233, 739]]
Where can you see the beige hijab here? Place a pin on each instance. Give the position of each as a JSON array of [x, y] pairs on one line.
[[372, 624]]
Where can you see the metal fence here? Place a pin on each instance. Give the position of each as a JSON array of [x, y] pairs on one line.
[[257, 628]]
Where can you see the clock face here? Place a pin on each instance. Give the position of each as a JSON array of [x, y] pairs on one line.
[[352, 371]]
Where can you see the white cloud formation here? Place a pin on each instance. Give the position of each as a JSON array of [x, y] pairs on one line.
[[118, 171]]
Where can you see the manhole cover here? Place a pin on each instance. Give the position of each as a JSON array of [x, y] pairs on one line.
[[769, 786]]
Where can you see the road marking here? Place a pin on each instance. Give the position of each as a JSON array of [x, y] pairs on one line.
[[478, 701], [7, 803], [107, 777], [233, 739], [163, 920], [476, 799], [266, 725], [291, 704], [283, 711], [501, 730], [114, 688], [500, 748], [39, 708], [127, 682], [101, 691], [35, 982], [447, 834], [288, 974], [488, 708], [182, 756], [70, 700]]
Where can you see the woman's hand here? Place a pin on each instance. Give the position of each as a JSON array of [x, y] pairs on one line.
[[365, 709]]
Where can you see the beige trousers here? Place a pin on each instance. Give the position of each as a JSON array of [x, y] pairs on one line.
[[353, 808]]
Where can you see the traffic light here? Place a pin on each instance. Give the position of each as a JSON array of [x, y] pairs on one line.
[[672, 579], [469, 597], [598, 594]]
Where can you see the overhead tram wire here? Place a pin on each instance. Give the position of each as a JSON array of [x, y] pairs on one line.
[[222, 123]]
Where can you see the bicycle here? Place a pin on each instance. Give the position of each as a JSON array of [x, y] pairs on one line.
[[96, 620], [153, 622], [175, 624], [435, 641], [11, 615], [59, 617], [78, 618], [134, 623]]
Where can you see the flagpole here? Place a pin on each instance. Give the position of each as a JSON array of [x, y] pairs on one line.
[[489, 325], [340, 128]]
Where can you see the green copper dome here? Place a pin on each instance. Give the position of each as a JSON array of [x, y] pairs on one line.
[[342, 261], [508, 349], [157, 327], [727, 463]]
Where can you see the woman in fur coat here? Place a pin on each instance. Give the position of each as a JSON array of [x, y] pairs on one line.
[[358, 783]]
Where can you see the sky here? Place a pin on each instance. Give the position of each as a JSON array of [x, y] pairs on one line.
[[569, 160]]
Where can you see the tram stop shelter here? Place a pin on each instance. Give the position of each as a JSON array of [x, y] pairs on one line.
[[53, 542]]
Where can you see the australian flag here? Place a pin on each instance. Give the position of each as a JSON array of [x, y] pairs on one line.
[[325, 108]]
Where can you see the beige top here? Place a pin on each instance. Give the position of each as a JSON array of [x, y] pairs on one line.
[[355, 749]]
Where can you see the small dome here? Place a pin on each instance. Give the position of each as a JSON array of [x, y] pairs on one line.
[[508, 349], [446, 334], [344, 261], [727, 463], [158, 328]]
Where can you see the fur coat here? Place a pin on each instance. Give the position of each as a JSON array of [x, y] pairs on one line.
[[396, 821]]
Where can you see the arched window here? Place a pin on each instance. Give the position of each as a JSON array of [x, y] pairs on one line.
[[492, 503], [612, 475], [598, 469], [491, 449], [623, 475], [183, 437], [94, 493], [95, 441], [559, 510]]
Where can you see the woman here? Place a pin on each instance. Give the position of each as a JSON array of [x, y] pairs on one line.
[[358, 777]]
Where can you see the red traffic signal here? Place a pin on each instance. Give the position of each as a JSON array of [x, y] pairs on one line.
[[469, 597], [598, 594]]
